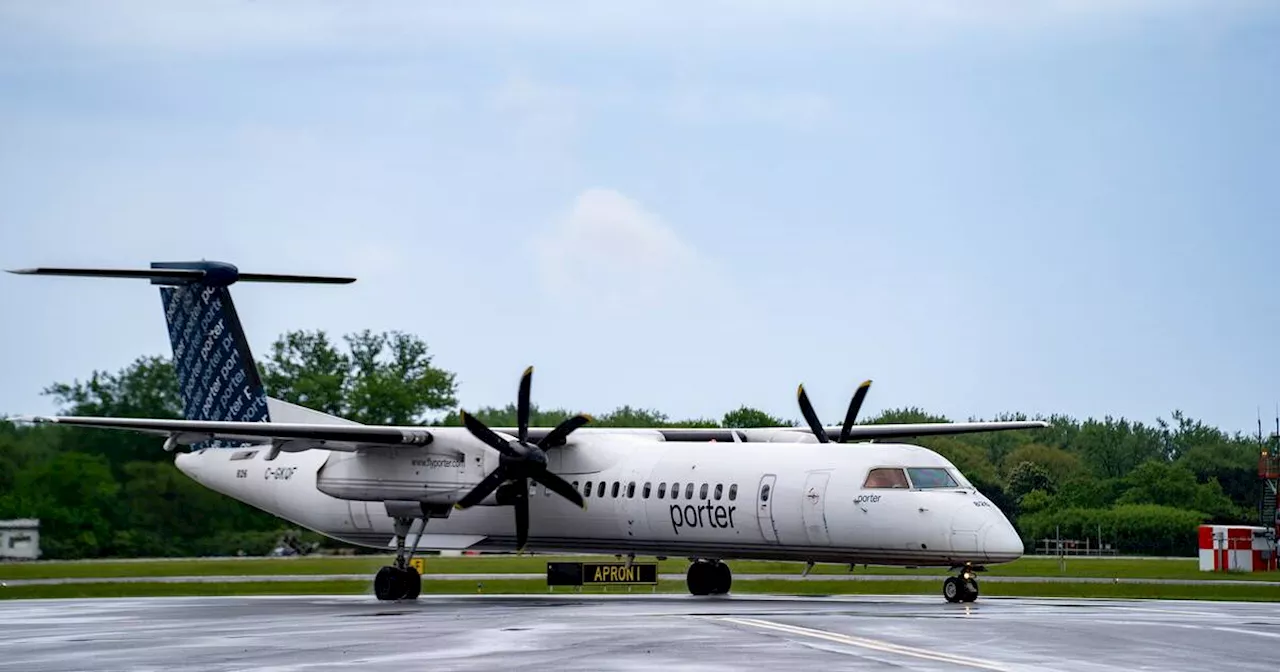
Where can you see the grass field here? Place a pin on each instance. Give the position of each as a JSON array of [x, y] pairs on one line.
[[1124, 568], [1136, 568]]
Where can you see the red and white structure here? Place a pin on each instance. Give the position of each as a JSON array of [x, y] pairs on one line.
[[1236, 548]]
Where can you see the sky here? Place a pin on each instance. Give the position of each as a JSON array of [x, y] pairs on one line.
[[1035, 206]]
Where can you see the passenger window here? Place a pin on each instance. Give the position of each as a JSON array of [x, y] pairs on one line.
[[614, 491], [719, 490], [688, 491], [702, 492], [675, 491], [646, 489], [931, 477], [586, 489], [733, 492], [600, 489], [764, 494], [886, 478], [631, 490], [662, 490]]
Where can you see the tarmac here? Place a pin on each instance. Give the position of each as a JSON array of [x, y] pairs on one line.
[[631, 632]]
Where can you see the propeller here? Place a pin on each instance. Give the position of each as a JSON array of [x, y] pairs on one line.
[[850, 415], [520, 461]]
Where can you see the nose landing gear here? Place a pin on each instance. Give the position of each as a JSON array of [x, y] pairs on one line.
[[962, 587]]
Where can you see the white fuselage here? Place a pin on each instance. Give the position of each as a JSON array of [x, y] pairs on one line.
[[783, 501]]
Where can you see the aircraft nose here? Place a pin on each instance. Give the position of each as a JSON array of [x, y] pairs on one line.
[[1001, 543]]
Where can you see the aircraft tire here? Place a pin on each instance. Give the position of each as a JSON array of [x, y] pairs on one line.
[[387, 584], [392, 583], [701, 578], [952, 589], [969, 591], [413, 583], [723, 579]]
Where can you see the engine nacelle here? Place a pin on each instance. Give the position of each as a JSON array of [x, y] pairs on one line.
[[434, 474]]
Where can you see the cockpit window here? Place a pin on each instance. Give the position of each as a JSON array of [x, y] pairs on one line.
[[932, 477], [886, 478]]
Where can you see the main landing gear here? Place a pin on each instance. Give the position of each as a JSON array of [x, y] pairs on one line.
[[709, 577], [962, 587], [400, 581]]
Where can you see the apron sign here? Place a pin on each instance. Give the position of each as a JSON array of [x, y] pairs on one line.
[[602, 573]]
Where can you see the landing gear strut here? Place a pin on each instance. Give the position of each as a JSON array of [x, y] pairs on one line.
[[400, 581], [963, 587], [709, 577]]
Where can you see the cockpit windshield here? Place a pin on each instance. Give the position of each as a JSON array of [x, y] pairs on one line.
[[921, 478], [886, 478], [931, 477]]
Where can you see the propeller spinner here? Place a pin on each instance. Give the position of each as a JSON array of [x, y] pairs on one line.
[[852, 414], [520, 461]]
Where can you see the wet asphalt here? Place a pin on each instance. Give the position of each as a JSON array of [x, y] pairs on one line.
[[632, 632]]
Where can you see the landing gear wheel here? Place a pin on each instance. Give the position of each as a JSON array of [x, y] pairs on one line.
[[709, 578], [951, 589], [957, 589], [699, 578], [394, 583], [413, 583], [723, 579]]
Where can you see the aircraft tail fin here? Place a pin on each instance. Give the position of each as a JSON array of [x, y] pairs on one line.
[[217, 376]]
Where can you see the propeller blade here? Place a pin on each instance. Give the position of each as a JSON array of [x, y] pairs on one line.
[[522, 514], [854, 406], [487, 485], [488, 436], [557, 436], [522, 404], [810, 417], [561, 487]]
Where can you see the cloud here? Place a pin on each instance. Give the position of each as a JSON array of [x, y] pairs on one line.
[[608, 250]]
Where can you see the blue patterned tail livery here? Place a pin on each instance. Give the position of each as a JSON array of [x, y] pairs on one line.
[[216, 372], [217, 376]]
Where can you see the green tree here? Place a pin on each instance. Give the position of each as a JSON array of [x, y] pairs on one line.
[[1029, 476], [744, 417], [305, 368], [1060, 464], [383, 379], [146, 388]]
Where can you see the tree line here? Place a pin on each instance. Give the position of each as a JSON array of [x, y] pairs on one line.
[[98, 493]]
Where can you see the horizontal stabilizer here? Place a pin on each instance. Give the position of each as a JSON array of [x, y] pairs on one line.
[[211, 273]]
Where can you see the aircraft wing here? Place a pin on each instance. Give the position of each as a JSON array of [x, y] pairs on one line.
[[859, 432], [290, 437]]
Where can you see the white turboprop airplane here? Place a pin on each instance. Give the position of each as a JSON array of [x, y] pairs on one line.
[[710, 495]]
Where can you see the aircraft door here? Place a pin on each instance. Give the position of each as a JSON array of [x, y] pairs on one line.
[[813, 508], [764, 508]]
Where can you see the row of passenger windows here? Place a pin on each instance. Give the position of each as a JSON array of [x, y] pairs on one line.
[[628, 490]]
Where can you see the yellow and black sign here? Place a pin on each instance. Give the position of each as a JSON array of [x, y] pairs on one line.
[[602, 573], [418, 564]]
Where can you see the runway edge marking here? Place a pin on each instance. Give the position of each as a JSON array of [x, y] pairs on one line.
[[873, 644]]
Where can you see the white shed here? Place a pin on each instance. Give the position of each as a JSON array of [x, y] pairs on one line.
[[20, 539]]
